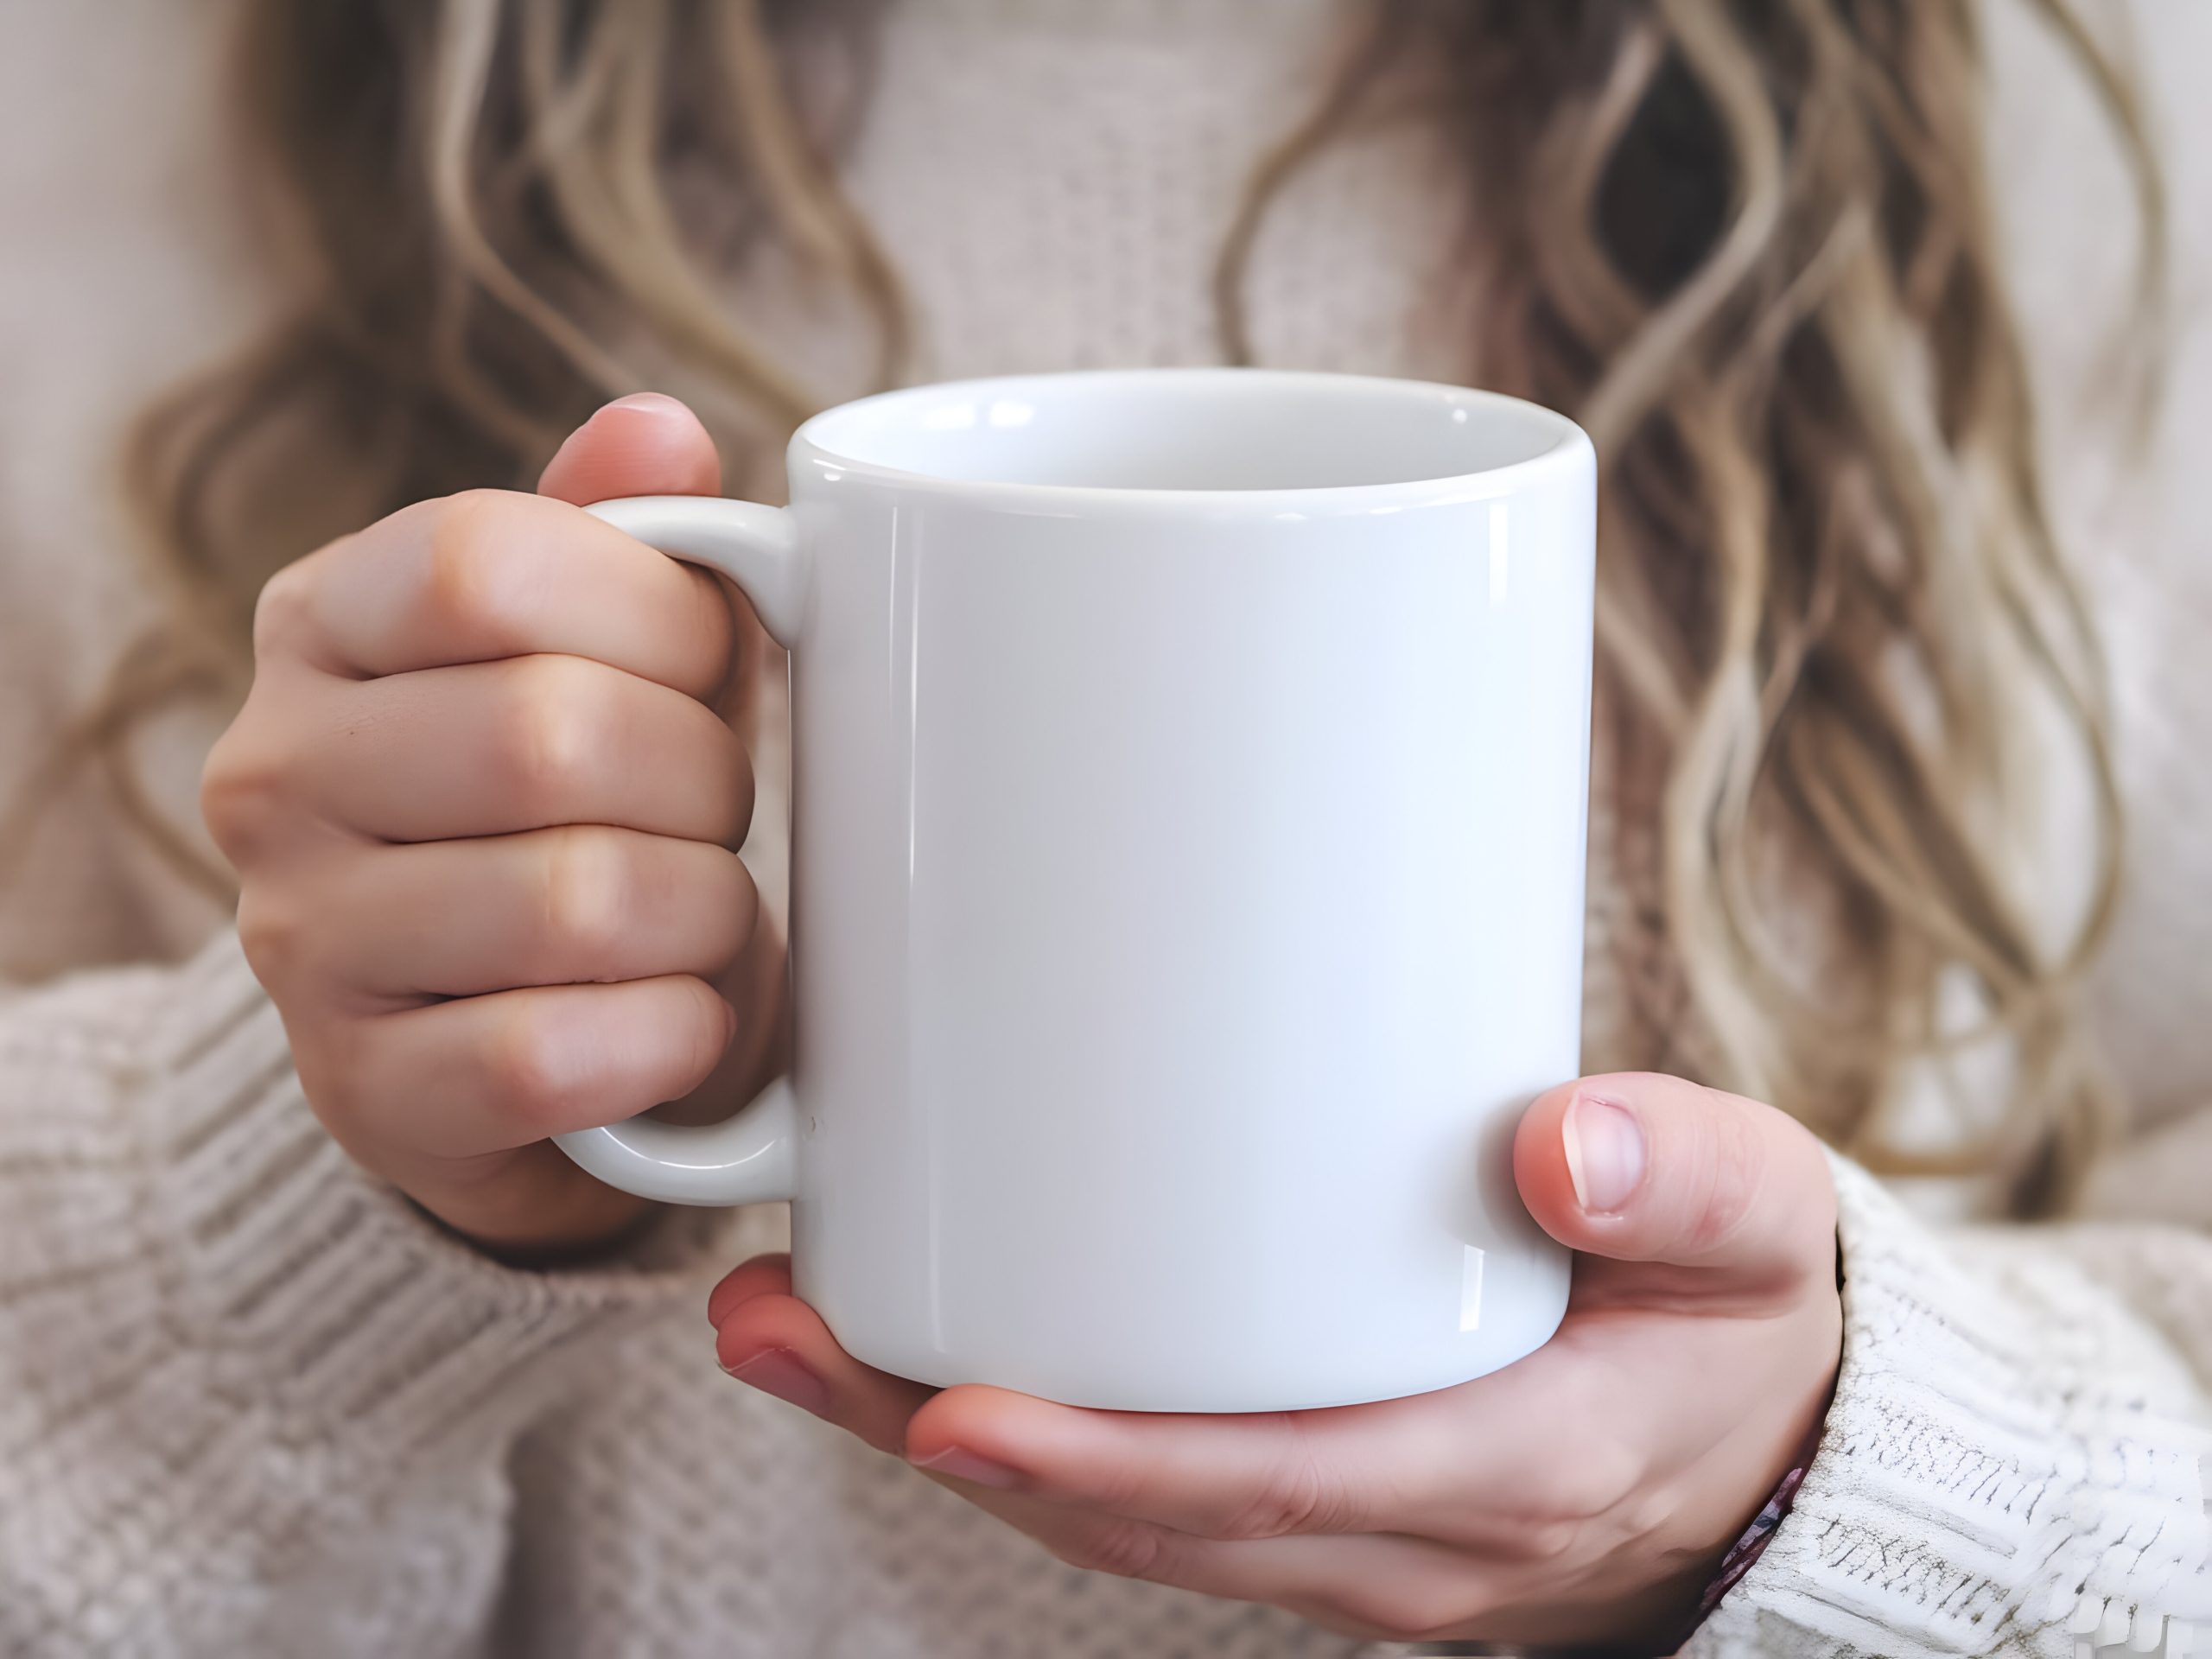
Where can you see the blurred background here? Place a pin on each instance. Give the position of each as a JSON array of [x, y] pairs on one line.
[[133, 257]]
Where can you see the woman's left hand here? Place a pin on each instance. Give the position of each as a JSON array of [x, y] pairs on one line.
[[1582, 1497]]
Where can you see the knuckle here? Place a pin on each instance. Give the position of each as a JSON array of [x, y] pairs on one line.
[[1649, 1513], [269, 933], [582, 901], [553, 737], [1601, 1476], [1735, 1167], [241, 792], [523, 1073], [712, 1027], [284, 610], [1542, 1541], [1299, 1494], [1124, 1549], [469, 581]]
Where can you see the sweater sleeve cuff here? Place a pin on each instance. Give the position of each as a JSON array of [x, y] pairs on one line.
[[307, 1275], [2011, 1465]]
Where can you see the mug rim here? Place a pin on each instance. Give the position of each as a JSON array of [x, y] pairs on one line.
[[1568, 452]]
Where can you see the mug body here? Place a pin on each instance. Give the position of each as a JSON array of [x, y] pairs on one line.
[[1187, 884]]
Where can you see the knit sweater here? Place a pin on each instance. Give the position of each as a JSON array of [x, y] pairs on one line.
[[253, 1402]]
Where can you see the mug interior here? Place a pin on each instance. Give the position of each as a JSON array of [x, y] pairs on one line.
[[1184, 429]]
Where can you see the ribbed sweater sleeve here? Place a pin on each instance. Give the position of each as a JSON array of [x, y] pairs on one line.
[[242, 1383], [2015, 1461], [241, 1380]]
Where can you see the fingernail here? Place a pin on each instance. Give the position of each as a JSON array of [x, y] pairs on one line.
[[777, 1371], [963, 1465], [1605, 1154], [653, 400]]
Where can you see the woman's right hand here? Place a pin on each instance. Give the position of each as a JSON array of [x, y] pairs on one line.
[[483, 808]]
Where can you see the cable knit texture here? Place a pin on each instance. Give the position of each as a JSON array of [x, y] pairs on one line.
[[251, 1402], [2014, 1463]]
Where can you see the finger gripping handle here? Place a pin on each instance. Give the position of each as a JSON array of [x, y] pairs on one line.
[[755, 547], [750, 1158]]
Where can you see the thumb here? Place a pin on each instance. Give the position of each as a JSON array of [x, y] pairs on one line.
[[644, 444], [1642, 1167]]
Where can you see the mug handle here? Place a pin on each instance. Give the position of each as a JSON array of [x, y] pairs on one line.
[[752, 1157]]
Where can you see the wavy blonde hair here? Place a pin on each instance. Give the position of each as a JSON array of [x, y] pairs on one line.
[[1749, 246]]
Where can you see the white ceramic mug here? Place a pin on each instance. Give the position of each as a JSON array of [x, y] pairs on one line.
[[1187, 874]]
